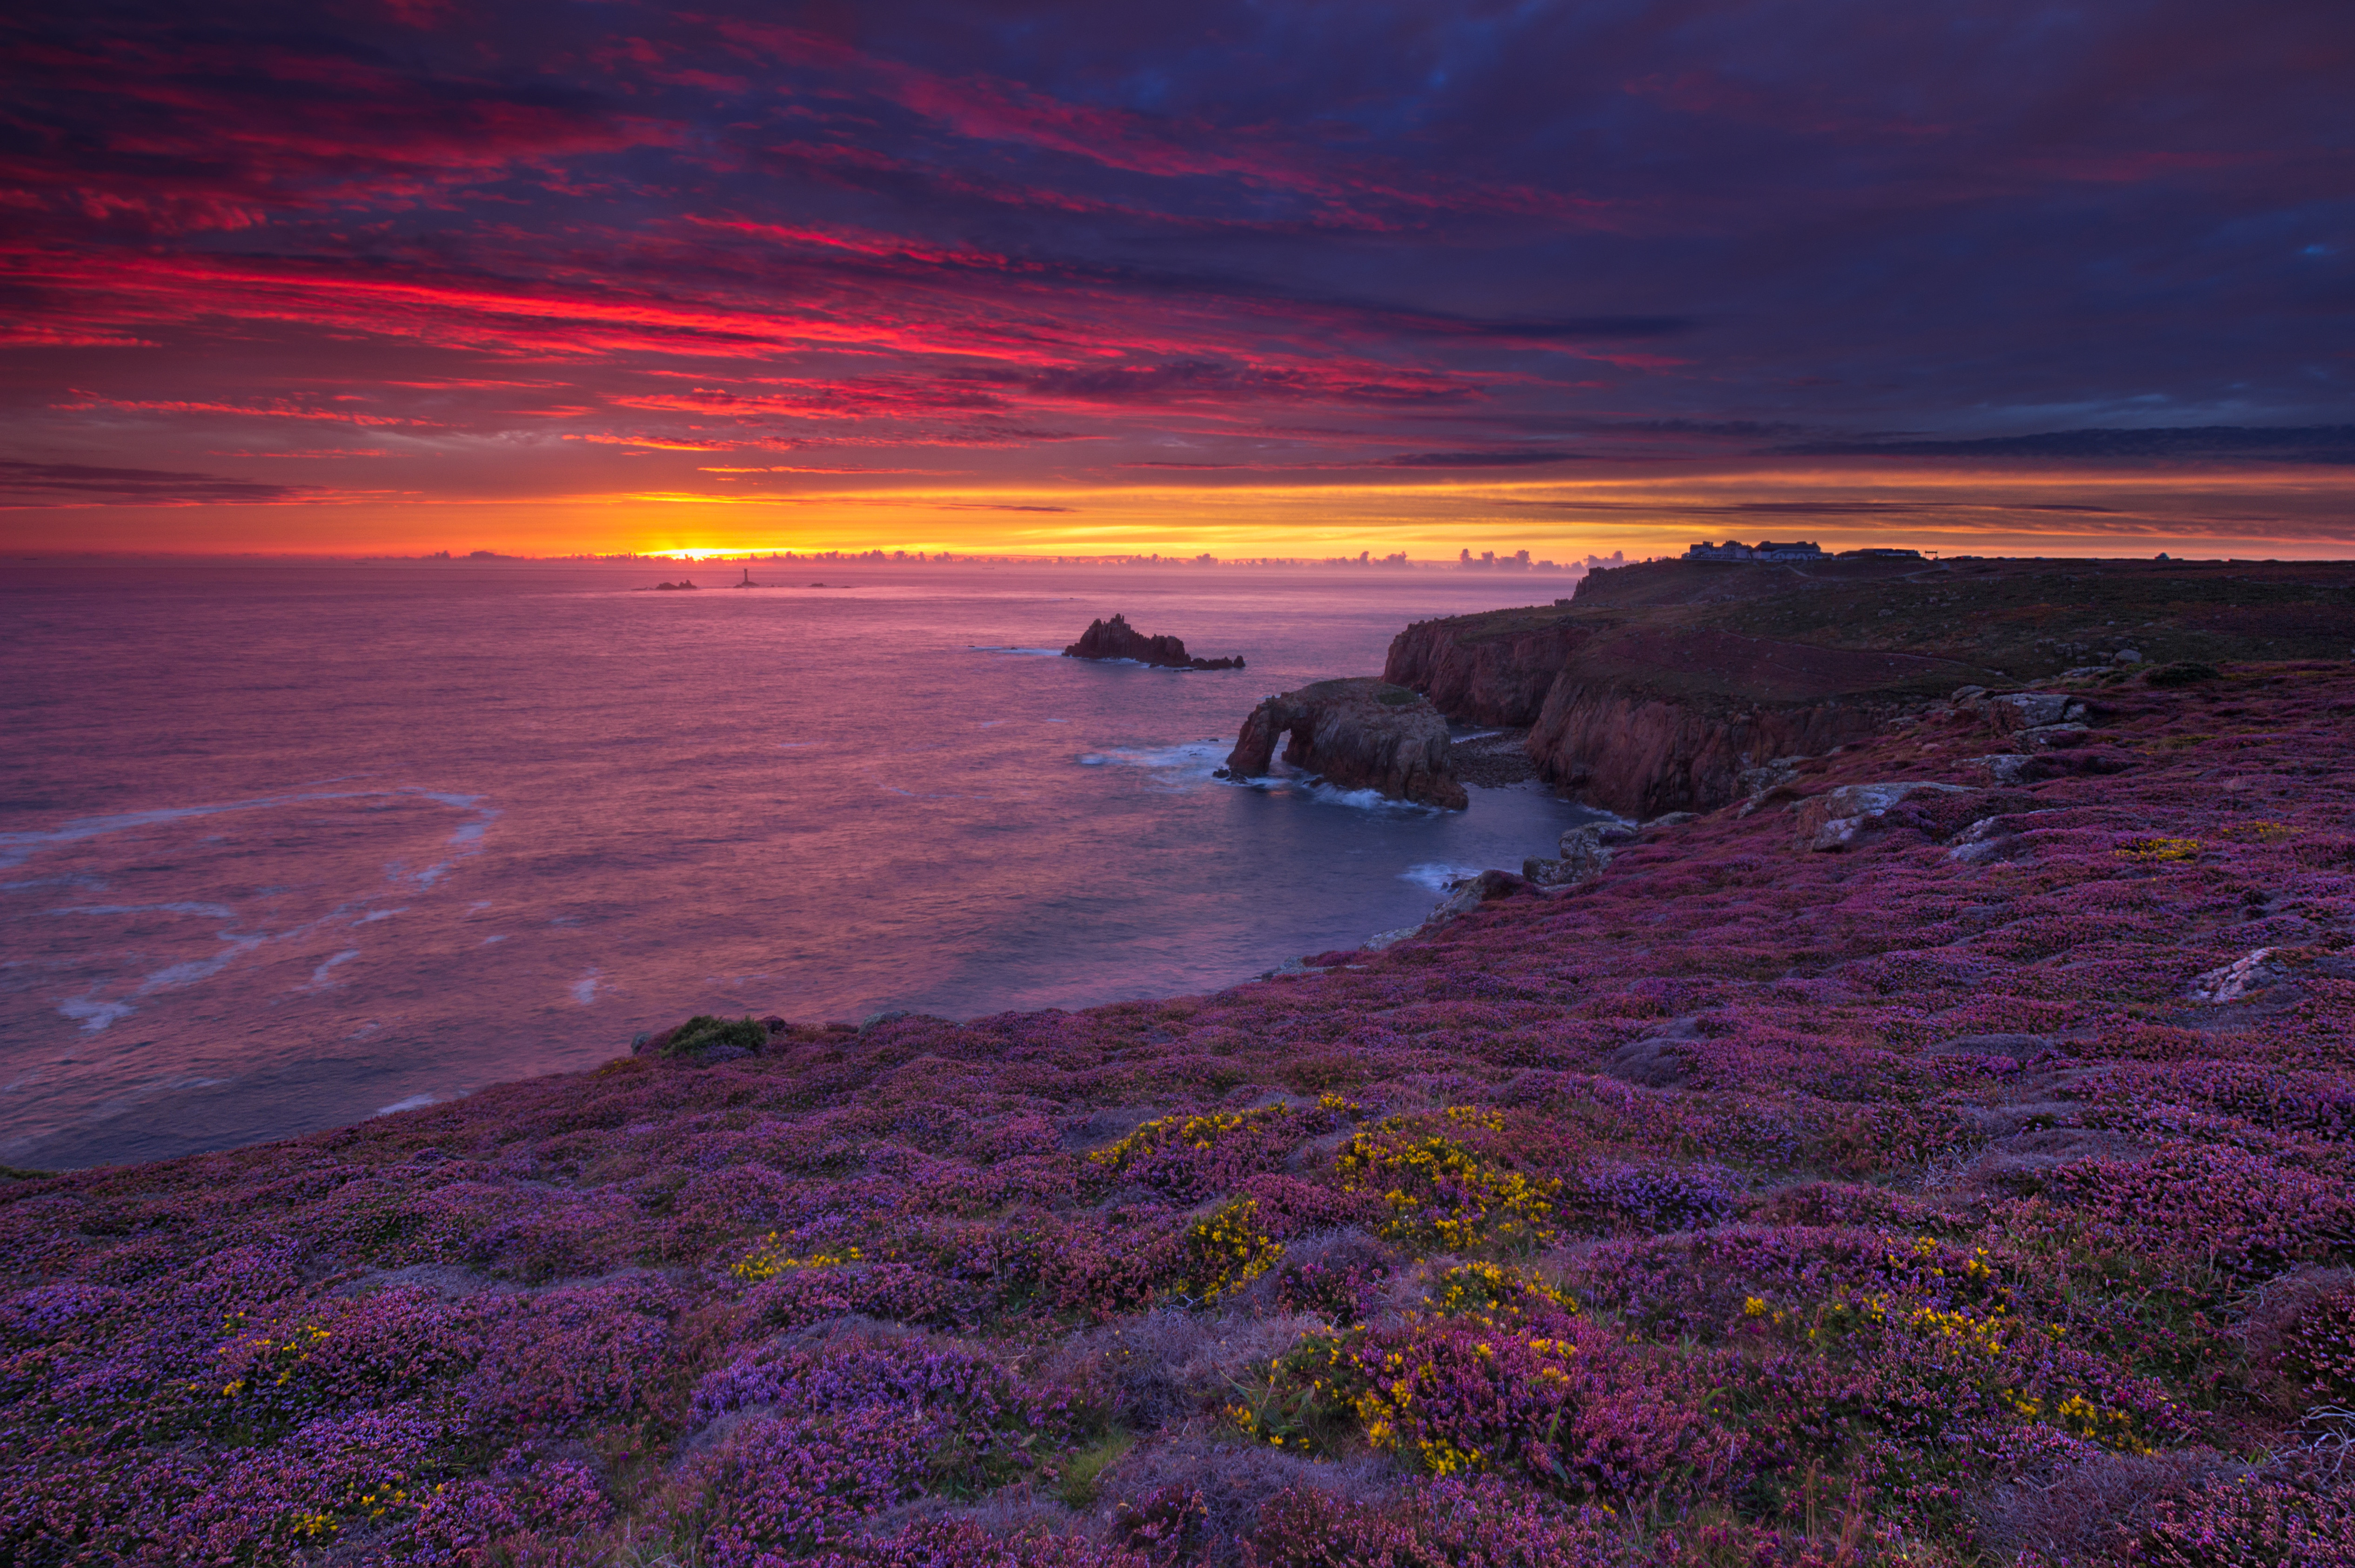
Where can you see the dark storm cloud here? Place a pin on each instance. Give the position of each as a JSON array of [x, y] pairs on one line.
[[2309, 443], [62, 484], [1477, 459]]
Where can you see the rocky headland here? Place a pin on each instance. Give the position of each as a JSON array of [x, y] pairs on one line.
[[1355, 733], [1911, 1163], [1663, 687], [1116, 639]]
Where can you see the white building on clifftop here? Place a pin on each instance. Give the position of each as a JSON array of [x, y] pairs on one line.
[[1765, 549]]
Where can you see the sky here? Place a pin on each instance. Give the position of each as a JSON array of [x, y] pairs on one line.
[[361, 276]]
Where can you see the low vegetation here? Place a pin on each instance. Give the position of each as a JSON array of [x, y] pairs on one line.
[[1980, 1194]]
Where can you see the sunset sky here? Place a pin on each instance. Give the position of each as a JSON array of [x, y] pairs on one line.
[[1302, 279]]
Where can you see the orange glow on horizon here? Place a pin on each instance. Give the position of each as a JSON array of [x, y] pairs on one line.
[[2077, 511]]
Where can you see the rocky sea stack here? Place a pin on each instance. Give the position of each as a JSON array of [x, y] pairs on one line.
[[1358, 733], [1116, 639]]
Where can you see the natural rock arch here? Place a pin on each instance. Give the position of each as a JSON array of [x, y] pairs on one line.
[[1358, 733]]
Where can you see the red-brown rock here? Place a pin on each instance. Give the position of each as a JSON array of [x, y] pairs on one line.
[[1359, 733]]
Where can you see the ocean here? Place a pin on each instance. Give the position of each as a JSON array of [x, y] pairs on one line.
[[287, 845]]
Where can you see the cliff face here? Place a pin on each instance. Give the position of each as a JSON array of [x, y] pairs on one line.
[[1644, 719], [1497, 676], [1641, 756], [1656, 686], [1358, 733]]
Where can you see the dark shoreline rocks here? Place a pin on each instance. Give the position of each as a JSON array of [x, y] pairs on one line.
[[1355, 733], [1116, 639], [1499, 760], [1662, 687]]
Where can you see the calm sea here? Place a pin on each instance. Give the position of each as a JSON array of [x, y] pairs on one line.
[[285, 846]]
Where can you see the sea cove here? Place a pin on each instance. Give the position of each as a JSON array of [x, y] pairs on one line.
[[290, 845]]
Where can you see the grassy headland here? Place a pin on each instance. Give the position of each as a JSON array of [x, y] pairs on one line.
[[1982, 1193], [1654, 688]]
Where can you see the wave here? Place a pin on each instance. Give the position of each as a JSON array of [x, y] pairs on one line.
[[1198, 761], [322, 978], [248, 932], [1203, 757], [1322, 794], [16, 848], [1437, 876]]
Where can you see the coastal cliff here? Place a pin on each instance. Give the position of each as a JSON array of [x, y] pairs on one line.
[[1116, 639], [1658, 687], [1356, 733], [1497, 674], [1961, 1161], [1643, 720]]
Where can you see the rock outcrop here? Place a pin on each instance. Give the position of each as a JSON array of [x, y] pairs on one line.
[[1838, 818], [1497, 674], [1669, 686], [1116, 639], [707, 1039], [1642, 718], [1358, 733]]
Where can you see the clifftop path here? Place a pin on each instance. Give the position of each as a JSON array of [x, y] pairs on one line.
[[1658, 688]]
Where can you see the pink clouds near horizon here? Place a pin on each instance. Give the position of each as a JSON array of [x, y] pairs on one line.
[[558, 256]]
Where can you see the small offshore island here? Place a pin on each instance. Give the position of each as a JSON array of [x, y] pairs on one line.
[[1921, 1132], [1116, 639]]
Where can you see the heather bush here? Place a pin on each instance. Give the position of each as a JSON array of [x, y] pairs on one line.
[[2319, 1350], [779, 1489], [1479, 1523], [960, 1544], [986, 1421], [2250, 1522]]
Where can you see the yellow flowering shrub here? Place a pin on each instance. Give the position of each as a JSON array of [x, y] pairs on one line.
[[765, 1262], [1493, 1288], [1228, 1251], [1201, 1132], [1442, 1192], [2157, 852]]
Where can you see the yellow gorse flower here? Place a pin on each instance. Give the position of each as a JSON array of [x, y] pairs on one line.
[[1229, 1251], [1200, 1132], [2157, 852], [765, 1262], [1491, 1202]]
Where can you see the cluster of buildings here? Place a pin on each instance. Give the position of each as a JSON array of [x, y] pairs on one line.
[[1793, 550]]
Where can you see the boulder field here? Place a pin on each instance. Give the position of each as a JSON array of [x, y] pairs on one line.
[[1116, 639], [1971, 1187], [1658, 687], [1355, 733]]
